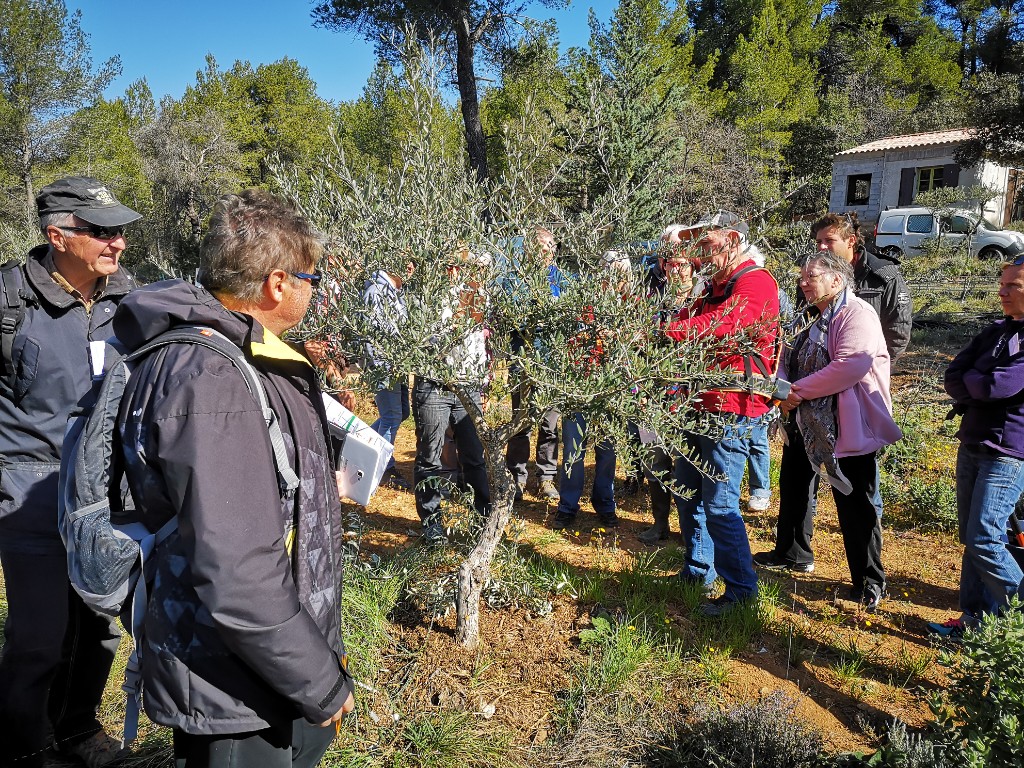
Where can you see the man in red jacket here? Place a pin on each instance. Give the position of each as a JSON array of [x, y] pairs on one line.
[[741, 305]]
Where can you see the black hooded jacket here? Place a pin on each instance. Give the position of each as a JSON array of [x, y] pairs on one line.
[[243, 625], [878, 281], [50, 378]]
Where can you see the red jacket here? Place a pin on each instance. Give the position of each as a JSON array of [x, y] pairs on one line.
[[753, 304]]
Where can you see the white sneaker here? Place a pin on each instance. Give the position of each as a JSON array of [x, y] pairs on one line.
[[758, 503]]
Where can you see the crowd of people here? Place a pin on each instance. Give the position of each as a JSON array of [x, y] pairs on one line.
[[245, 661]]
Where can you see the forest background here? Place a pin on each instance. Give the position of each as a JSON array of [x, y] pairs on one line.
[[737, 104]]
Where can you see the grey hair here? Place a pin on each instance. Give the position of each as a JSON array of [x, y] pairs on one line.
[[250, 235], [57, 219], [832, 264]]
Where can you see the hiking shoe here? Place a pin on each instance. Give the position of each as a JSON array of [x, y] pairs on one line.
[[547, 489], [610, 520], [871, 598], [772, 562], [562, 520], [98, 750], [434, 535], [653, 535], [394, 480], [758, 503], [718, 607], [953, 629]]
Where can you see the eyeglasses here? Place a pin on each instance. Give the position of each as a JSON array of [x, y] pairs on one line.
[[313, 277], [811, 276], [98, 232]]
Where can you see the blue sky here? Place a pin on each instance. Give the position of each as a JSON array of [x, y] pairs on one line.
[[167, 42]]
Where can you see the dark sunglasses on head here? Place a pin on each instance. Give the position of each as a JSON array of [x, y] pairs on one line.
[[313, 277], [100, 233]]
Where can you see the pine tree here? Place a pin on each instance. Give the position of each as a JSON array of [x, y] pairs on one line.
[[771, 89]]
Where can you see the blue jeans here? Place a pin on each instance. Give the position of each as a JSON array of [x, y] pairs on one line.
[[988, 484], [393, 407], [570, 485], [436, 409], [759, 477], [713, 529]]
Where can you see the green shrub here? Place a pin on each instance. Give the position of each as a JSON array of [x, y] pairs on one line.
[[980, 716], [902, 750], [765, 734], [918, 484]]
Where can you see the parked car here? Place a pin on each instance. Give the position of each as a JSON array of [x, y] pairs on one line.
[[903, 232]]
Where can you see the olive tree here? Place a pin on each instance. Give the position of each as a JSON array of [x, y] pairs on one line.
[[595, 350]]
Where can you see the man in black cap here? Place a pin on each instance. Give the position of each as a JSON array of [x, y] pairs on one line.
[[55, 312]]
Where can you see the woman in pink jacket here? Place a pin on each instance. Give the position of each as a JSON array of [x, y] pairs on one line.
[[840, 415]]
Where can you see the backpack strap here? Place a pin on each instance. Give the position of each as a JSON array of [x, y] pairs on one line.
[[730, 286], [12, 311], [287, 480]]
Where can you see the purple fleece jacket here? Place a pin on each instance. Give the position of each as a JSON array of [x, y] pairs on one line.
[[986, 379]]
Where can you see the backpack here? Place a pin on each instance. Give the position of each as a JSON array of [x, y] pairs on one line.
[[108, 563], [14, 295]]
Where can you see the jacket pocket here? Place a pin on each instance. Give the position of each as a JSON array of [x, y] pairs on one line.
[[25, 363], [32, 486]]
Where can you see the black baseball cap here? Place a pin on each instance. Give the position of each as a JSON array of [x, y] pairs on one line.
[[87, 198]]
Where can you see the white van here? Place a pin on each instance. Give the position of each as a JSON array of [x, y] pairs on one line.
[[902, 232]]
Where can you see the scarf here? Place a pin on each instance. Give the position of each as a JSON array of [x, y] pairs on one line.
[[816, 419]]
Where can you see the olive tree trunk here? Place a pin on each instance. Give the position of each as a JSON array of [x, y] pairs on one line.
[[476, 569]]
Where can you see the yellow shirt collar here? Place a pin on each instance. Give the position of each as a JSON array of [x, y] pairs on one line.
[[274, 349]]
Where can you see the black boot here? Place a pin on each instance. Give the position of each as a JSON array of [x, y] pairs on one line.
[[657, 532]]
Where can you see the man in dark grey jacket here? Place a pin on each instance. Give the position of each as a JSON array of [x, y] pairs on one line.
[[876, 279], [56, 309], [244, 653]]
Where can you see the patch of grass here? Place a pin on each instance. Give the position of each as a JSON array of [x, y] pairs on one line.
[[645, 587], [553, 576], [747, 621], [713, 665], [912, 665], [624, 655], [371, 593], [451, 740], [594, 587]]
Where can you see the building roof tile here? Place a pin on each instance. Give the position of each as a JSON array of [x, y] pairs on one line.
[[909, 140]]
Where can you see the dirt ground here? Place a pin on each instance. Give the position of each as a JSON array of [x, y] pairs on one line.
[[526, 660]]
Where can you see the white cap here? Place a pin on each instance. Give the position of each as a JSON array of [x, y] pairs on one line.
[[615, 260], [725, 220]]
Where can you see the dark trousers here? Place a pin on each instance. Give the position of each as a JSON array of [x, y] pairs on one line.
[[858, 519], [296, 745], [798, 494], [546, 456], [435, 409], [56, 659], [667, 467]]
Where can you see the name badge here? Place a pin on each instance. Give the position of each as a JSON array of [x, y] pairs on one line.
[[97, 353]]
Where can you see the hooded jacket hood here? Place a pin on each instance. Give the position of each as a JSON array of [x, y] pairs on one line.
[[147, 312]]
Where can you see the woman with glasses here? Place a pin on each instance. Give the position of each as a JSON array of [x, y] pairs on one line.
[[840, 415]]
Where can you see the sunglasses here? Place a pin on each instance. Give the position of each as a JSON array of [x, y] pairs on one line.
[[98, 232], [314, 278]]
